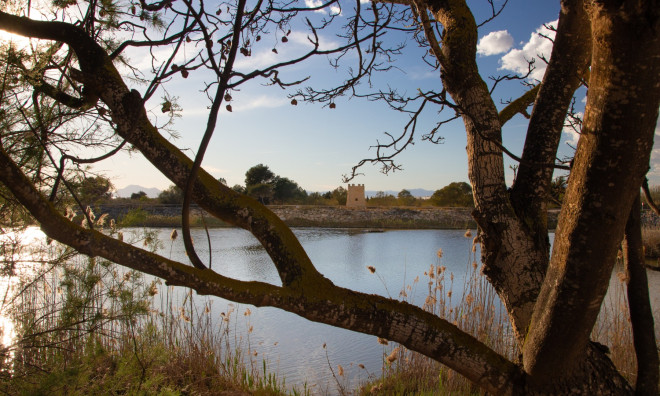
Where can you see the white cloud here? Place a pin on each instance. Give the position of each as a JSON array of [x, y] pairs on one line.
[[262, 101], [517, 60], [303, 37], [334, 10], [314, 4], [259, 60], [144, 61], [495, 43], [240, 103]]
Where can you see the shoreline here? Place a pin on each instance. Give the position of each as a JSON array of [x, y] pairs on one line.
[[308, 216]]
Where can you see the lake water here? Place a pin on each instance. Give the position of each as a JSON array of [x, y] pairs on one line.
[[292, 346]]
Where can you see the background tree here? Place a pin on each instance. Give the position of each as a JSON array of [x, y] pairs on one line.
[[258, 174], [381, 198], [406, 198], [287, 191], [263, 192], [267, 187], [339, 195], [316, 198], [552, 301], [94, 189], [139, 195], [173, 195], [239, 189], [453, 194], [557, 190]]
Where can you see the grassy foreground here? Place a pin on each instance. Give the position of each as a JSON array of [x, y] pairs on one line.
[[87, 327]]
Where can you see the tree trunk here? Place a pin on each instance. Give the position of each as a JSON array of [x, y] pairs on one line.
[[609, 166], [641, 315], [569, 62]]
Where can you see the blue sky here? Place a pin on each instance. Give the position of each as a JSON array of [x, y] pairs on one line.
[[315, 145]]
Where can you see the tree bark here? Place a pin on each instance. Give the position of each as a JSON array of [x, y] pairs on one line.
[[641, 315], [508, 251], [571, 54], [609, 166]]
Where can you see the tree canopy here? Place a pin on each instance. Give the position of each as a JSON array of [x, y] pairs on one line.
[[74, 90], [453, 194], [92, 189], [173, 195], [264, 185], [258, 174], [405, 198], [139, 195]]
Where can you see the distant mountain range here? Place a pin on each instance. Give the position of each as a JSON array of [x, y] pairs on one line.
[[132, 189], [153, 192]]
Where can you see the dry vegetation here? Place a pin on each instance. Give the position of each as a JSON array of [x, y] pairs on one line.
[[479, 311]]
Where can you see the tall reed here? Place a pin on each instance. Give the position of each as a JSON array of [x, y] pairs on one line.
[[479, 311], [86, 326]]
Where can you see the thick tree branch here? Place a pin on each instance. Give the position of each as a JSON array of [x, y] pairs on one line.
[[519, 105], [421, 9], [570, 57], [617, 135], [508, 252], [571, 54], [641, 314]]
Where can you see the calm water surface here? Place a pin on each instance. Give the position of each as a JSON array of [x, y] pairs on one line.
[[292, 346]]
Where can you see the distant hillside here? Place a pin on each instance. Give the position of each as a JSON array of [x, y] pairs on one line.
[[153, 192], [132, 189], [416, 192]]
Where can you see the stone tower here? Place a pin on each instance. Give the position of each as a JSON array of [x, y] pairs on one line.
[[355, 196]]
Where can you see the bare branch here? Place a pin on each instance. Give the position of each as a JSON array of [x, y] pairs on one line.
[[386, 160], [210, 127], [494, 12]]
